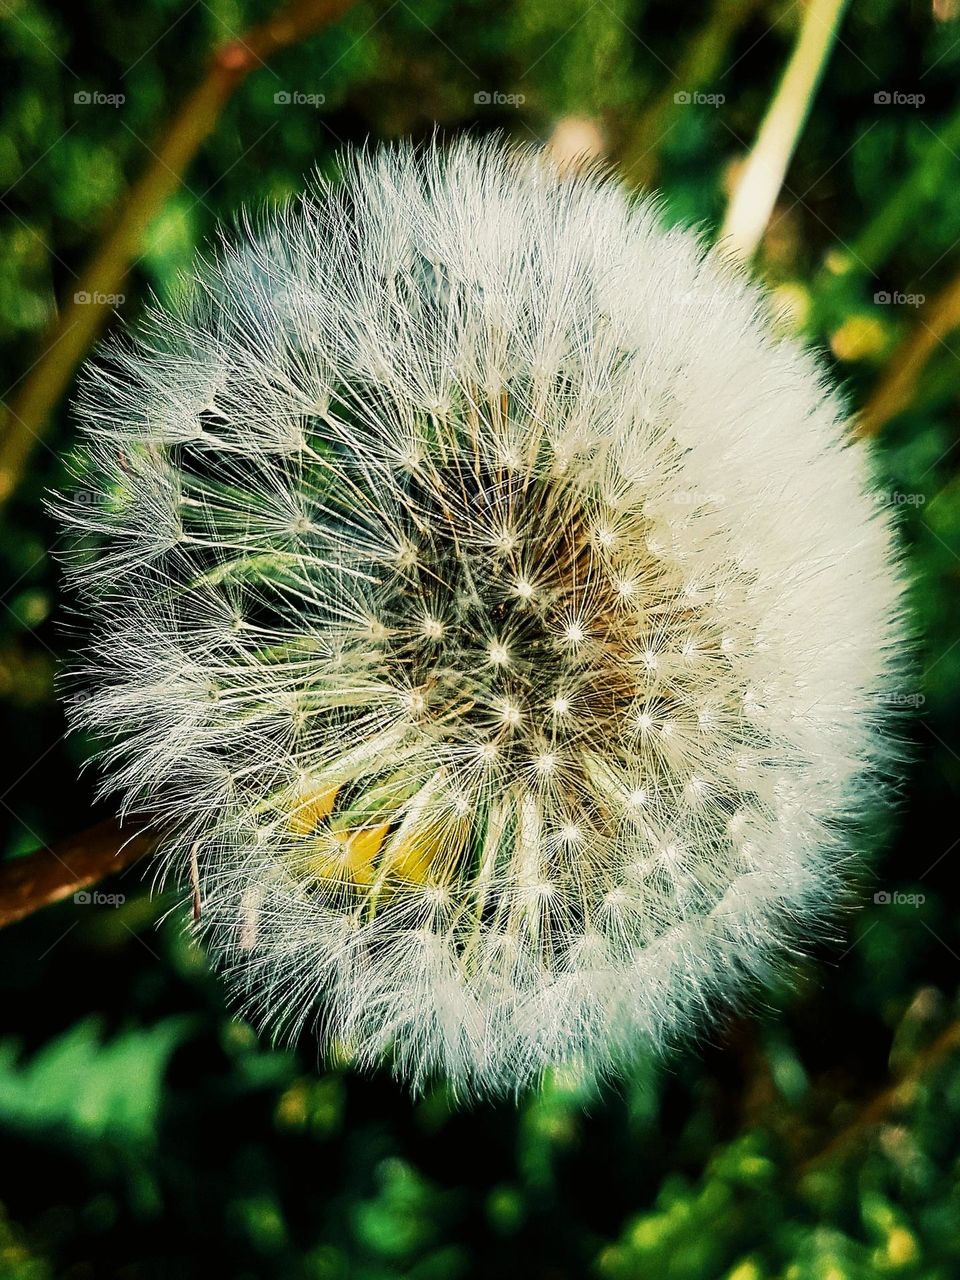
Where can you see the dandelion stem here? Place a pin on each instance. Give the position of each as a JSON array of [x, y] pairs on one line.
[[759, 184]]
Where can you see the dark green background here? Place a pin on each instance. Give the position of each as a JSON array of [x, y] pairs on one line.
[[144, 1131]]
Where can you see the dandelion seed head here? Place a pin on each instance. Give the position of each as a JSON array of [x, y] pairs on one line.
[[416, 637]]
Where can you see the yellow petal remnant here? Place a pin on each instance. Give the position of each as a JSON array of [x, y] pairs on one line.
[[310, 810], [347, 855], [413, 857]]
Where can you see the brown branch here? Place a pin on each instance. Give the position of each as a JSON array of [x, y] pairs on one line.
[[899, 1094], [76, 327], [896, 387], [54, 873]]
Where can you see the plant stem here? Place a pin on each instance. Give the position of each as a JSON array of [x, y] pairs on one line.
[[759, 184], [899, 1094], [54, 873], [896, 387]]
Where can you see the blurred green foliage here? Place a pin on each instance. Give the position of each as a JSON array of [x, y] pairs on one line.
[[145, 1131]]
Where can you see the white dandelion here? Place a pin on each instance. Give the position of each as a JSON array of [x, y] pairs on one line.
[[490, 612]]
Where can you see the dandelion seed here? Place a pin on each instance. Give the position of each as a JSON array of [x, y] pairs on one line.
[[488, 365], [510, 714]]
